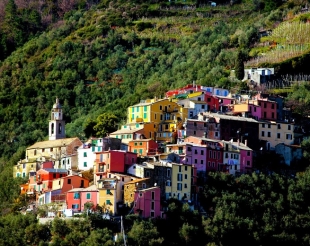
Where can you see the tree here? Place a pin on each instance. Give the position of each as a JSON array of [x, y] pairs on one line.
[[106, 123], [239, 66], [144, 233]]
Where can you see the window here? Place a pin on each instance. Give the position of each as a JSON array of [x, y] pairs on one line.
[[179, 186], [189, 149], [272, 115], [168, 173], [108, 192], [179, 176], [265, 105], [263, 125], [196, 151], [213, 164], [254, 109], [85, 163], [147, 174], [54, 175], [88, 196], [153, 195], [218, 155], [75, 206], [289, 127], [289, 136], [85, 154], [185, 185], [209, 163], [216, 134], [201, 162], [269, 134], [108, 202], [265, 115], [160, 107], [152, 214], [69, 181], [152, 205], [43, 150], [76, 195], [263, 134], [248, 163], [145, 108], [279, 126], [278, 135], [226, 155], [195, 161], [185, 176], [143, 185], [248, 153], [168, 183], [194, 133], [180, 169], [210, 154], [269, 125], [272, 106]]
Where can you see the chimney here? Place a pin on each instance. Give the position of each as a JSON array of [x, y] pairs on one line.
[[238, 142], [246, 142]]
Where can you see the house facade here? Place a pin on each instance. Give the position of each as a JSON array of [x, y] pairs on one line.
[[275, 133], [109, 194], [143, 147], [147, 203]]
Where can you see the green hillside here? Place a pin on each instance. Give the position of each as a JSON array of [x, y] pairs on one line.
[[104, 56]]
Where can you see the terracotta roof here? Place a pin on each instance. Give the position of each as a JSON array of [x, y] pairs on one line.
[[53, 143]]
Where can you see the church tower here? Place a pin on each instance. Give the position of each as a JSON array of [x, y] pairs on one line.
[[56, 124]]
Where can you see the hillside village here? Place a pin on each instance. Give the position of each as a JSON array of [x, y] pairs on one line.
[[164, 150]]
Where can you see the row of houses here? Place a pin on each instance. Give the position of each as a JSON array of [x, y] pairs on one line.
[[164, 150]]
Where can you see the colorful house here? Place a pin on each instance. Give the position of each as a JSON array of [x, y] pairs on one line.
[[268, 109], [210, 148], [112, 161], [78, 197], [274, 133], [109, 194], [178, 184], [143, 147], [86, 152], [42, 180], [132, 186], [204, 126], [231, 157], [147, 203]]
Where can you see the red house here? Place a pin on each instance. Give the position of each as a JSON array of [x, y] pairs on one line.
[[42, 181], [113, 161], [268, 109], [212, 101]]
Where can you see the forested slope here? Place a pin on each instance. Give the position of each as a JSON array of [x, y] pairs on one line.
[[104, 56]]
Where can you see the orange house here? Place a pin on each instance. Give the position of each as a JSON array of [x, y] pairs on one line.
[[143, 147], [43, 179]]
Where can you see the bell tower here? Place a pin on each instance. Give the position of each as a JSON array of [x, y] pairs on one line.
[[56, 123]]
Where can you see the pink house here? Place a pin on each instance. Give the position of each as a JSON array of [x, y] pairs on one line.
[[196, 156], [246, 158], [78, 197], [255, 111], [147, 202]]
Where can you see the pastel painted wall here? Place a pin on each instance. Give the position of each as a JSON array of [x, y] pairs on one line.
[[147, 202]]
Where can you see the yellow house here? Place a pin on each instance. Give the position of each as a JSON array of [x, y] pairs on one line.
[[133, 131], [109, 194], [24, 167], [131, 187], [276, 132], [179, 186]]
